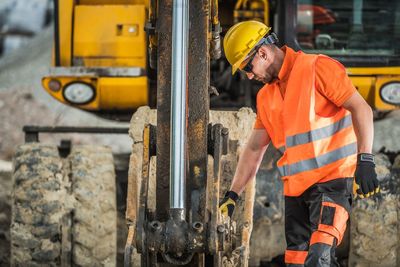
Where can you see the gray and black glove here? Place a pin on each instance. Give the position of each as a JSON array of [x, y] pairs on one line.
[[365, 176]]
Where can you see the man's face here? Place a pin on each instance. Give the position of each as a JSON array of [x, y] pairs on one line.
[[261, 69]]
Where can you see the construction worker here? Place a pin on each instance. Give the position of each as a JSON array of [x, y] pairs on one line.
[[311, 112]]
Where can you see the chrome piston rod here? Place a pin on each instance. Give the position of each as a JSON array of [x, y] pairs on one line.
[[180, 34]]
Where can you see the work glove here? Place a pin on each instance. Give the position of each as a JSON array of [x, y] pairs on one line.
[[366, 183], [228, 203]]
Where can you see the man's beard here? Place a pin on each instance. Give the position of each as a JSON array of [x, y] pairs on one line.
[[265, 79]]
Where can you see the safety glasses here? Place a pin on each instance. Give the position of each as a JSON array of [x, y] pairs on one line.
[[247, 65]]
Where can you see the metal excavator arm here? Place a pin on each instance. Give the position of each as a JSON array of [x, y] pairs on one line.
[[184, 226]]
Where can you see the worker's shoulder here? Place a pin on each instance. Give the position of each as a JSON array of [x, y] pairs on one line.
[[326, 62], [321, 60]]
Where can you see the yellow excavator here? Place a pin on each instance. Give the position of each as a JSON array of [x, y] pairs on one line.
[[105, 52], [112, 57], [100, 56]]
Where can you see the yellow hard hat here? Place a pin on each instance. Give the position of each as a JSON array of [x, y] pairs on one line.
[[241, 38]]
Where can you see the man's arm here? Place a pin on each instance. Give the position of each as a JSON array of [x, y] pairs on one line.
[[250, 159], [362, 117]]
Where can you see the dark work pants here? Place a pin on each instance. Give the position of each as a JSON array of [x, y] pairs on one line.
[[315, 223]]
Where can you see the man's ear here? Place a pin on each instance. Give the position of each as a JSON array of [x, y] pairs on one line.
[[263, 52]]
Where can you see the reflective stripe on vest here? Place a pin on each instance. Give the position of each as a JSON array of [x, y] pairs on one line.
[[318, 162], [318, 134]]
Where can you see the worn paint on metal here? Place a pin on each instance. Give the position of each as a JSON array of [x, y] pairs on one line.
[[164, 31], [198, 102]]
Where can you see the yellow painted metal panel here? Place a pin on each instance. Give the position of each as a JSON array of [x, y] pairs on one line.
[[117, 62], [366, 87], [65, 14], [122, 93], [110, 32], [369, 81], [374, 71], [112, 2]]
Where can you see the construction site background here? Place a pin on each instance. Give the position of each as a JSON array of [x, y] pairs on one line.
[[26, 59]]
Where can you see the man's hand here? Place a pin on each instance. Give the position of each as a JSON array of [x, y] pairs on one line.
[[228, 203], [365, 176]]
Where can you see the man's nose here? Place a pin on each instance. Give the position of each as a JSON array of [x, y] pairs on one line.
[[250, 75]]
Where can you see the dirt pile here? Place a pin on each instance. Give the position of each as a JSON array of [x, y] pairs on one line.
[[387, 131]]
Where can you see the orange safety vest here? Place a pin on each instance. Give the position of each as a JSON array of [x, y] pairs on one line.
[[314, 148]]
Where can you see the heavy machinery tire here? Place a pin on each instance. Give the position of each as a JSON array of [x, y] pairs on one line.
[[64, 210], [37, 206], [94, 225]]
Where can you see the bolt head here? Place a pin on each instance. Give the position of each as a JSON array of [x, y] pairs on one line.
[[221, 228]]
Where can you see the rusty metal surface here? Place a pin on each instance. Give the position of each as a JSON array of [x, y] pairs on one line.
[[164, 30], [215, 242], [179, 241], [160, 237], [132, 192], [228, 239], [150, 29], [129, 246], [215, 44], [139, 235], [198, 102], [247, 223]]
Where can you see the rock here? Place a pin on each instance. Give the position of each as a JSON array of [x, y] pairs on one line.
[[382, 166], [48, 251], [48, 231], [27, 17], [144, 115], [387, 131], [5, 167], [239, 123], [374, 232], [396, 163]]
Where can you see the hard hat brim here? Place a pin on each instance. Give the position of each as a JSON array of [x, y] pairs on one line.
[[236, 66]]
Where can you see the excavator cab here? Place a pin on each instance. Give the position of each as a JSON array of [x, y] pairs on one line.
[[363, 35]]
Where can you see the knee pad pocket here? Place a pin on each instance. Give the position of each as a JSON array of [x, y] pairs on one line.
[[333, 219]]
